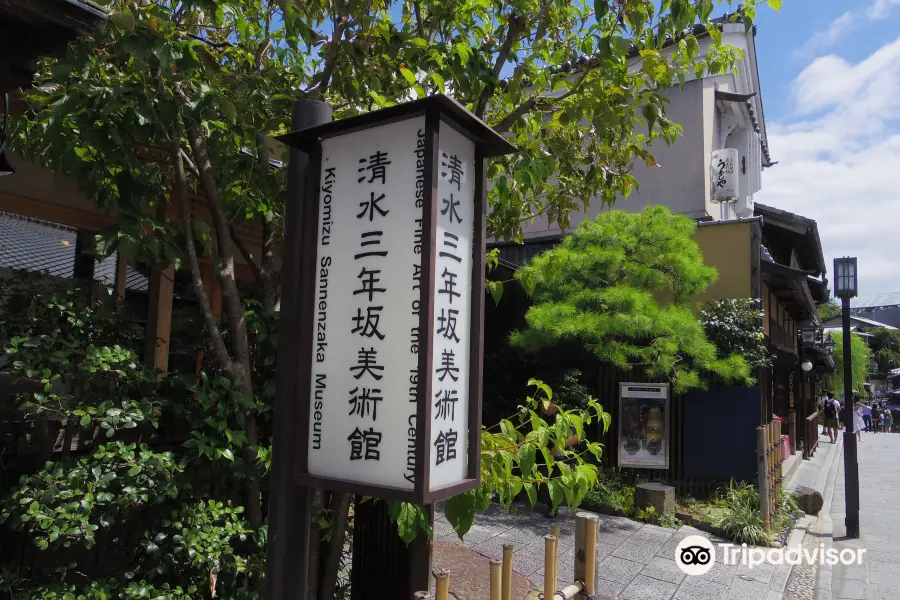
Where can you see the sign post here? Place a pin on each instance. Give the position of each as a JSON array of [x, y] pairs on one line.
[[287, 555], [391, 308]]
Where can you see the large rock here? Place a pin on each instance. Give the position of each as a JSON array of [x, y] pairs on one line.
[[659, 496], [809, 500]]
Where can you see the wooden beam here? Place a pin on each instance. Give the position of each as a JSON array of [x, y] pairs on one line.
[[55, 213], [159, 320], [161, 292]]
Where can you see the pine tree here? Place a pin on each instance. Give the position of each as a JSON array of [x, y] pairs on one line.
[[622, 286]]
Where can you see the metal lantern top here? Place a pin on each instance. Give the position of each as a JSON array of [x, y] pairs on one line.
[[845, 277], [490, 142]]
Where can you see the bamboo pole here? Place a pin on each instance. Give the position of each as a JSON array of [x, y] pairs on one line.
[[549, 566], [590, 567], [763, 451], [506, 584], [555, 532], [496, 579], [442, 585]]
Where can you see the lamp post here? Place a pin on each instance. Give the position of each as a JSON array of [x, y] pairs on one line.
[[846, 288]]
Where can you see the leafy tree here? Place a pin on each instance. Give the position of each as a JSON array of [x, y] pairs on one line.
[[621, 287], [734, 325], [859, 365], [885, 346], [829, 310], [176, 99]]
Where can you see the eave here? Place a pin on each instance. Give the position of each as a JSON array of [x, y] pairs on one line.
[[32, 29], [795, 231], [790, 287]]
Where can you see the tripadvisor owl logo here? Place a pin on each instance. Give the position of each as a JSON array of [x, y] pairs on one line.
[[695, 555]]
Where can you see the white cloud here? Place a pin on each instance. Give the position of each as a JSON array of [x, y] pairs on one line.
[[827, 37], [881, 9], [839, 161]]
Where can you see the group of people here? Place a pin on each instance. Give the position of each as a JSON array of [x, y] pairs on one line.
[[871, 417]]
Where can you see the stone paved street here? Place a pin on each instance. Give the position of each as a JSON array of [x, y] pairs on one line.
[[637, 560], [878, 578]]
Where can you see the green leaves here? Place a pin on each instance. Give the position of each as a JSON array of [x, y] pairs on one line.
[[73, 503], [410, 519], [495, 288], [460, 512], [775, 5], [526, 459], [123, 19]]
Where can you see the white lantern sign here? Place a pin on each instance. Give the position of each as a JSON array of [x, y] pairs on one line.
[[391, 403]]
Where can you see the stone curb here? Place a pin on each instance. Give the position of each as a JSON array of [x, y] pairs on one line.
[[826, 525]]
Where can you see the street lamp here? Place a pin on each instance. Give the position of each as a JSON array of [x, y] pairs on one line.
[[845, 276], [806, 366], [829, 345]]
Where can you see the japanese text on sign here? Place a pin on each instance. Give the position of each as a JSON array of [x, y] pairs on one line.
[[366, 343]]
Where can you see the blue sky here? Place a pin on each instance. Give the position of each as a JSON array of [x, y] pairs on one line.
[[830, 77]]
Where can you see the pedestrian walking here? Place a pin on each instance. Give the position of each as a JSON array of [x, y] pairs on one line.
[[876, 418], [866, 412], [831, 410], [888, 418], [858, 423]]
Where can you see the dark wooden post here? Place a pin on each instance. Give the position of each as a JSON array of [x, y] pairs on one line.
[[383, 565], [289, 507]]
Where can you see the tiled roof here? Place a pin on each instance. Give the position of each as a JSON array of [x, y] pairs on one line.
[[39, 246], [877, 300]]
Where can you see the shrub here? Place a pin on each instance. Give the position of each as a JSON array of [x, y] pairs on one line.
[[734, 325], [742, 520]]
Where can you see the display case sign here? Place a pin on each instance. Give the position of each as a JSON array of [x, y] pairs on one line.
[[644, 425], [397, 309]]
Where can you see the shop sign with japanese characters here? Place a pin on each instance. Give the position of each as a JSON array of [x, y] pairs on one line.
[[398, 292]]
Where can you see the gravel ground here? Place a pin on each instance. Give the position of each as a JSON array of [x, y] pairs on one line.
[[802, 583]]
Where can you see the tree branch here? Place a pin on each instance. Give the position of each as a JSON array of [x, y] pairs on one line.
[[240, 345], [516, 26], [420, 25], [210, 43], [534, 102], [188, 163], [267, 267], [245, 252], [264, 45], [341, 24], [520, 111], [196, 277]]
